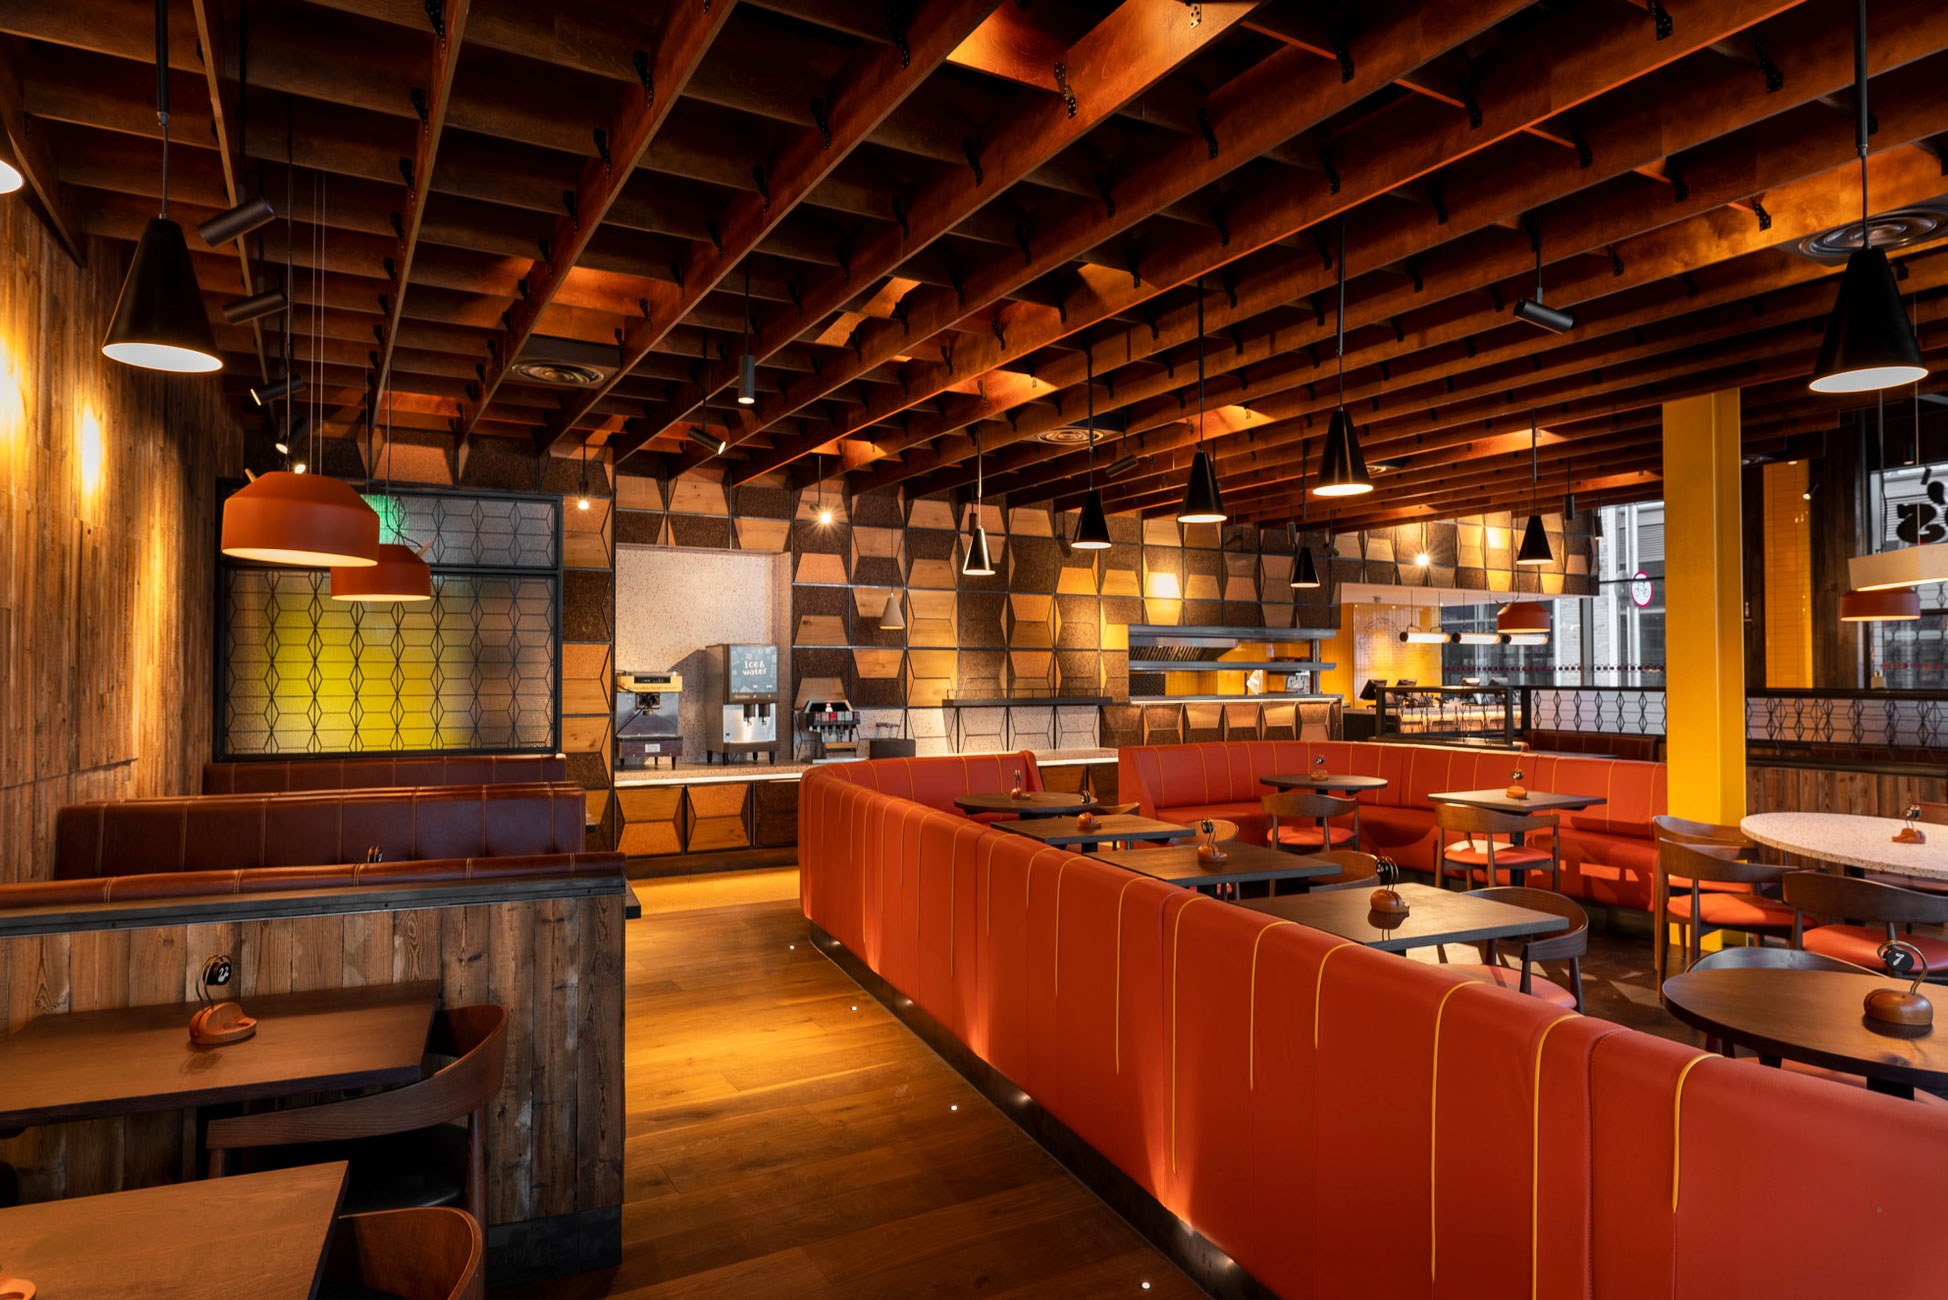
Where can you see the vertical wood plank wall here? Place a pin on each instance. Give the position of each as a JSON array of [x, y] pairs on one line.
[[554, 1133], [107, 549], [1824, 789]]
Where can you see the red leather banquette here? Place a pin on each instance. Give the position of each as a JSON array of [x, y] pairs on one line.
[[1347, 1123], [273, 776], [247, 831], [1608, 855]]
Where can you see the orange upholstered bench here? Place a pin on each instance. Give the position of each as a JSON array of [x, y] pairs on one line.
[[272, 776]]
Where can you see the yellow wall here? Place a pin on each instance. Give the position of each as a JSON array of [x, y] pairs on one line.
[[1788, 576]]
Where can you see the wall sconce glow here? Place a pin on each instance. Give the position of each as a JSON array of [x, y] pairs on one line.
[[10, 177], [1423, 559], [93, 450]]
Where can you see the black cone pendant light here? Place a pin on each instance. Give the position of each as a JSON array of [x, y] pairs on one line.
[[979, 564], [1091, 525], [1869, 342], [1305, 574], [159, 321], [1535, 541], [1342, 466], [747, 365], [1203, 504]]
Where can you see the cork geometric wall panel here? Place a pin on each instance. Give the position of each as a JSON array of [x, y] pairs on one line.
[[931, 619], [1031, 620], [825, 568]]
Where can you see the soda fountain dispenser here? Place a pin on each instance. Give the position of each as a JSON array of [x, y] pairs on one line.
[[741, 694]]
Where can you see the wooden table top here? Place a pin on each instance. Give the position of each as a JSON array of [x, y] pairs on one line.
[[1852, 841], [252, 1237], [1813, 1016], [1123, 826], [89, 1064], [1537, 802], [1435, 916], [1330, 781], [1030, 803], [1243, 864]]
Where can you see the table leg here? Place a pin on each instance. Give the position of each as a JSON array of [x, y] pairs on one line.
[[1891, 1089]]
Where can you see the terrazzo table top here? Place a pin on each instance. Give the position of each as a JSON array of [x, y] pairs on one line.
[[1853, 841]]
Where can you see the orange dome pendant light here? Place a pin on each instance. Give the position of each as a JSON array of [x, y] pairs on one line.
[[1342, 465], [159, 321], [400, 575], [1203, 504], [1870, 343]]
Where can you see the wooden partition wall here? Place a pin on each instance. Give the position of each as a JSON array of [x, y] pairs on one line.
[[554, 1133]]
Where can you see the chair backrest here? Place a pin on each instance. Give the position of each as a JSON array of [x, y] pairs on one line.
[[1356, 869], [1826, 894], [1717, 862], [1307, 803], [1563, 944], [475, 1036], [1682, 831], [422, 1254], [1487, 821], [1756, 957], [1935, 814]]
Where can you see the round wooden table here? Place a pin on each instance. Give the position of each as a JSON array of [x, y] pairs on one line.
[[1866, 843], [1030, 803], [1812, 1016], [1332, 782]]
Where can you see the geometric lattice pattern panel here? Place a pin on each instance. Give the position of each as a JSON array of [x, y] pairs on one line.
[[1880, 720], [474, 532], [1620, 710], [475, 668]]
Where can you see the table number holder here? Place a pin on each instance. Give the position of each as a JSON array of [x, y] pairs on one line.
[[1016, 791], [216, 1023], [1516, 790], [1319, 772], [1906, 1012], [1387, 900], [1911, 833], [1085, 820], [1208, 851]]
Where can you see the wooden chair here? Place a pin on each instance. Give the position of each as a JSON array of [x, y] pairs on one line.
[[1568, 945], [1308, 815], [404, 1147], [424, 1254], [1884, 908], [1356, 870], [1488, 854], [1679, 830], [1700, 908]]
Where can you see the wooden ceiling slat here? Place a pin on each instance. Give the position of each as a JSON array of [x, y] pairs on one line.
[[679, 48], [872, 83], [210, 41]]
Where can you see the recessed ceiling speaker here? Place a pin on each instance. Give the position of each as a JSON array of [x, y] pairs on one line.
[[564, 363]]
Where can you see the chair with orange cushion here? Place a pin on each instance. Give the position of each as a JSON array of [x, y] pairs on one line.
[[1488, 854], [1567, 945], [1884, 907], [1683, 831], [1302, 820], [1698, 908]]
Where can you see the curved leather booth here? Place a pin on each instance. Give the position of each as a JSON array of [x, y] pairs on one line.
[[1608, 855], [1343, 1122], [249, 831], [273, 776]]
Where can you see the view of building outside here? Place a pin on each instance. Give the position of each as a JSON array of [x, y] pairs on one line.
[[1913, 655], [1614, 638]]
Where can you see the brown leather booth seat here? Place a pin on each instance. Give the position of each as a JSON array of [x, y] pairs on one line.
[[1641, 749], [1607, 852], [250, 831], [1341, 1122], [279, 775], [152, 886]]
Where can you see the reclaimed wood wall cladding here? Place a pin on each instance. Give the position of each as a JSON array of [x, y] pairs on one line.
[[1825, 789], [107, 556], [554, 1132]]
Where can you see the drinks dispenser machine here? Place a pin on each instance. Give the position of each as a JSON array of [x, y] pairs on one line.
[[741, 695]]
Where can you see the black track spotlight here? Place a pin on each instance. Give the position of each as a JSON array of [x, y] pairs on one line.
[[250, 215], [1534, 311], [274, 390], [257, 306], [709, 441], [1122, 466]]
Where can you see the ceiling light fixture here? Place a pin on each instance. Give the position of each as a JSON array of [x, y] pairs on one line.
[[1305, 574], [400, 574], [1889, 596], [1203, 504], [284, 386], [1120, 467], [581, 501], [1870, 342], [1532, 310], [1091, 525], [709, 441], [979, 563], [248, 216], [747, 366], [1535, 550], [159, 321], [242, 311], [10, 177], [892, 618], [1342, 465]]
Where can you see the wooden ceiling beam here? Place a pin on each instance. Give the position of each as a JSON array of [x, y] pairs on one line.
[[211, 41], [1271, 103], [1700, 107], [1135, 46], [679, 47], [1587, 55]]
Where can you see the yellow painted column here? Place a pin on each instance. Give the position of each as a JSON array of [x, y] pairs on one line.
[[1704, 609]]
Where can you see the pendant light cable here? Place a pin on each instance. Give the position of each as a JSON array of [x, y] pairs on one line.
[[162, 94], [1339, 322]]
